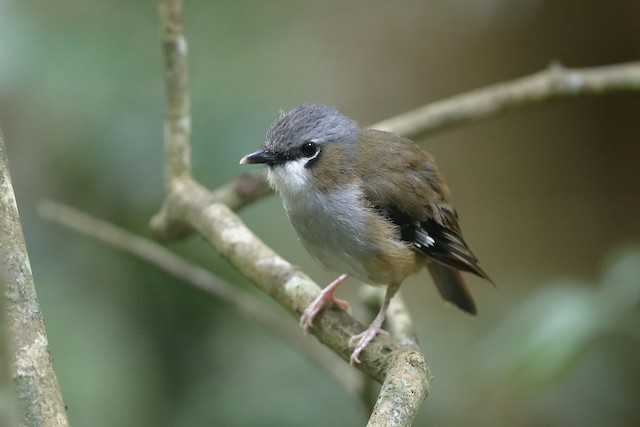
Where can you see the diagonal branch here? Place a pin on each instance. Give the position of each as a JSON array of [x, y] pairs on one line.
[[282, 281], [401, 369]]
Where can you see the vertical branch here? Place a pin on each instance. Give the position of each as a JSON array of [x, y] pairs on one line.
[[36, 384], [177, 116], [177, 128]]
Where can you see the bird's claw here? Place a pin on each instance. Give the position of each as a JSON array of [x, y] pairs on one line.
[[306, 320], [363, 339]]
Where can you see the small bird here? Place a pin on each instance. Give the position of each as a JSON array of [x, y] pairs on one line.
[[365, 203]]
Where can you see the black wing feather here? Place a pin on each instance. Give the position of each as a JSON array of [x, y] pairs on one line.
[[446, 247], [443, 244]]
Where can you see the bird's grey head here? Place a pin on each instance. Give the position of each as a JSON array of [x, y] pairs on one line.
[[289, 136], [295, 143]]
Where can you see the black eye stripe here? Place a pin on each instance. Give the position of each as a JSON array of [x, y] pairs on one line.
[[310, 150]]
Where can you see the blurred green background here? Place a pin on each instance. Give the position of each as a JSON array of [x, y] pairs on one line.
[[548, 200]]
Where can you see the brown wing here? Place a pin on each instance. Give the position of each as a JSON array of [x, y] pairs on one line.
[[408, 190], [405, 169]]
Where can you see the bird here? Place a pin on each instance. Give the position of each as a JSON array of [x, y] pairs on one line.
[[366, 204]]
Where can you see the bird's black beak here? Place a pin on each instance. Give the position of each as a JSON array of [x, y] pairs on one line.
[[259, 156]]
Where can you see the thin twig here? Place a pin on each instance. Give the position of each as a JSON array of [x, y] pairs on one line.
[[36, 385], [242, 190], [556, 82], [198, 277], [237, 193]]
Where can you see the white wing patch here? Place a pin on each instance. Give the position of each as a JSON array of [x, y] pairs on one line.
[[425, 236]]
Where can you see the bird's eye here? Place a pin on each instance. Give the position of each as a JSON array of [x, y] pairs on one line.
[[308, 149]]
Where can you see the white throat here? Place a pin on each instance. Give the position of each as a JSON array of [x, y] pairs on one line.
[[290, 178]]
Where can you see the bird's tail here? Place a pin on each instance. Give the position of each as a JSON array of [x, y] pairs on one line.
[[452, 287]]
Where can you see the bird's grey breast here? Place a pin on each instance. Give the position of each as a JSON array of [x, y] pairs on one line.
[[333, 228]]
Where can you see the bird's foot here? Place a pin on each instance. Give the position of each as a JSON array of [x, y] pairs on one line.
[[364, 338], [324, 299]]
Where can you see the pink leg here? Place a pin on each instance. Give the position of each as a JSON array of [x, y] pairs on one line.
[[364, 338], [326, 297]]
